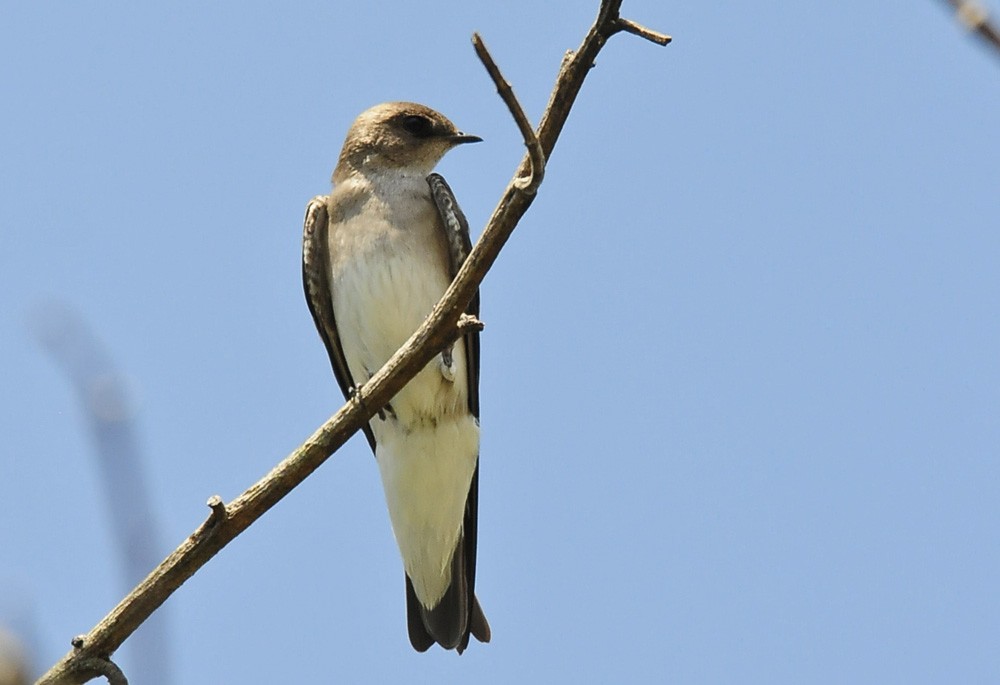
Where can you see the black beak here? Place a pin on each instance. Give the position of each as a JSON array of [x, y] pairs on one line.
[[460, 138]]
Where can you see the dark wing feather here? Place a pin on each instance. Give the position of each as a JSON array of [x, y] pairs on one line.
[[456, 228], [316, 281]]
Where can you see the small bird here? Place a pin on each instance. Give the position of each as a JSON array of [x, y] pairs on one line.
[[378, 253]]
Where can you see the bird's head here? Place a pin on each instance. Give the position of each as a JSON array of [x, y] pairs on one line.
[[399, 135]]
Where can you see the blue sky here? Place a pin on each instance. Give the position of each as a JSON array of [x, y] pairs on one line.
[[740, 373]]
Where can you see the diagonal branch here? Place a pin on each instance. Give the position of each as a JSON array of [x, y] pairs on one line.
[[439, 329]]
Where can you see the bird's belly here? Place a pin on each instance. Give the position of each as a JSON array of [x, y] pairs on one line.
[[426, 474], [427, 444], [378, 303]]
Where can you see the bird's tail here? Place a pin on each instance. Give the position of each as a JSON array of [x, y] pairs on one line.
[[454, 618]]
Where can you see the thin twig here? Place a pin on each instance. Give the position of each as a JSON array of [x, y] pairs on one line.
[[635, 29], [467, 323], [536, 172], [437, 331], [92, 667], [218, 508]]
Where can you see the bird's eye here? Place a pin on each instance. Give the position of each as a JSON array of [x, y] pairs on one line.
[[418, 126]]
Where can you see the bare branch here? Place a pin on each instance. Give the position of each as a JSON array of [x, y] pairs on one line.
[[535, 154], [437, 331], [635, 29]]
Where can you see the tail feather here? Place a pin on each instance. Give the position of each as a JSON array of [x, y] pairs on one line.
[[419, 637], [457, 615], [478, 626]]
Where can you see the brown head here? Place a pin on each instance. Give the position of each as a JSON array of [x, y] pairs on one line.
[[398, 135]]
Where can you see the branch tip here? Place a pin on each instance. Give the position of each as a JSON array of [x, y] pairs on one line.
[[629, 26], [217, 506], [467, 323], [536, 156]]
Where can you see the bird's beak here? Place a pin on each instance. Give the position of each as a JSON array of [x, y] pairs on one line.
[[460, 138]]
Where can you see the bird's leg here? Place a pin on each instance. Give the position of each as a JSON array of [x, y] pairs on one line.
[[447, 363]]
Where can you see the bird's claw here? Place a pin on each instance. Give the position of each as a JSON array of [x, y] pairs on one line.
[[352, 393], [447, 365]]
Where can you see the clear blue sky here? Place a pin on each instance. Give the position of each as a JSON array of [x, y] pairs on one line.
[[741, 370]]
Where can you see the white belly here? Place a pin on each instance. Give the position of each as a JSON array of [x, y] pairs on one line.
[[428, 444], [426, 475]]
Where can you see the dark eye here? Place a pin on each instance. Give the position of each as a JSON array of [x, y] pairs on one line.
[[418, 126]]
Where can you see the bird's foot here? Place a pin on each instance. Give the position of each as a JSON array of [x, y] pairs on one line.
[[447, 365], [352, 393]]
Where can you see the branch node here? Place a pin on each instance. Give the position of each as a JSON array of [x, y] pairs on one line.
[[95, 666], [77, 642], [536, 171], [467, 323], [629, 26], [218, 508]]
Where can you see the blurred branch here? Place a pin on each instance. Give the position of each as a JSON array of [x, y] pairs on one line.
[[438, 330], [975, 18], [13, 659], [102, 393]]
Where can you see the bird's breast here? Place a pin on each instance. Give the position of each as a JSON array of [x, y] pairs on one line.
[[386, 276]]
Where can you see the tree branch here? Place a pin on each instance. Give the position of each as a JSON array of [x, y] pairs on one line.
[[536, 156], [437, 331]]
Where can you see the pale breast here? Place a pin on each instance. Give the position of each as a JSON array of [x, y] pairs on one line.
[[389, 267]]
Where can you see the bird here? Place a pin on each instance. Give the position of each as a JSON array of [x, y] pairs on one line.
[[378, 253]]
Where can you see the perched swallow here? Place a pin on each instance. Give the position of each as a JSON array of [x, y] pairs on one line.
[[378, 253]]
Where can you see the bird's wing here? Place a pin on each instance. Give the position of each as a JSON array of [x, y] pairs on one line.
[[316, 281], [456, 228]]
